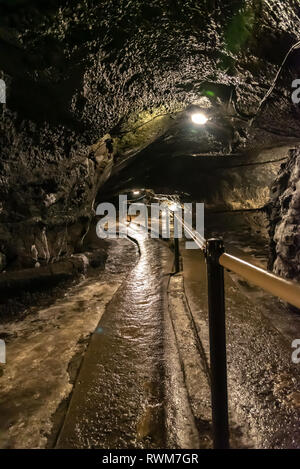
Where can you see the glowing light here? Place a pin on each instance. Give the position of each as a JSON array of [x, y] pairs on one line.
[[199, 118], [173, 207], [136, 192]]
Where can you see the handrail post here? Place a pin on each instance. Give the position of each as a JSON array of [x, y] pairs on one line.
[[176, 245], [217, 336], [176, 252]]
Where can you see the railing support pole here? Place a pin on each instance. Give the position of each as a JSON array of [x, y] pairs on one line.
[[176, 245], [217, 335], [177, 254]]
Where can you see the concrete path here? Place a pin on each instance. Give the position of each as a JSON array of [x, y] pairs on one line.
[[118, 400]]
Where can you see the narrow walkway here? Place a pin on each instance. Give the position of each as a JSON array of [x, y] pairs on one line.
[[118, 399]]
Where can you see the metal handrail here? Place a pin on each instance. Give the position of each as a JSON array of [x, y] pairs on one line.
[[278, 286], [287, 290]]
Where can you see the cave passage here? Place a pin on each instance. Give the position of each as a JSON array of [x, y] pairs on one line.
[[104, 339], [125, 361]]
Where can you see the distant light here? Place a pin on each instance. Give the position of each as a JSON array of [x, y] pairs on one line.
[[199, 118], [136, 192]]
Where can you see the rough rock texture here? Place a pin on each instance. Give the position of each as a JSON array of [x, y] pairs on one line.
[[76, 70], [47, 205], [284, 211]]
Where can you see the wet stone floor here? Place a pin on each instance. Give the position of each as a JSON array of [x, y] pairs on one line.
[[143, 381], [118, 400], [44, 349]]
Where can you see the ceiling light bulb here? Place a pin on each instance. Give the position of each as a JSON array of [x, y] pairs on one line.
[[199, 118]]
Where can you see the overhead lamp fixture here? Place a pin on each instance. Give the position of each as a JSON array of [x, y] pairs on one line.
[[199, 118]]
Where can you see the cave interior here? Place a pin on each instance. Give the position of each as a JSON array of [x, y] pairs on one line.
[[99, 101]]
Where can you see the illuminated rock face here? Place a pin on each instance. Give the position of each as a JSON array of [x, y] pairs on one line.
[[76, 70], [285, 219]]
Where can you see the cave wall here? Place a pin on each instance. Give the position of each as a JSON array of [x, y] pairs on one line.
[[241, 183], [47, 203], [76, 70], [284, 215]]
